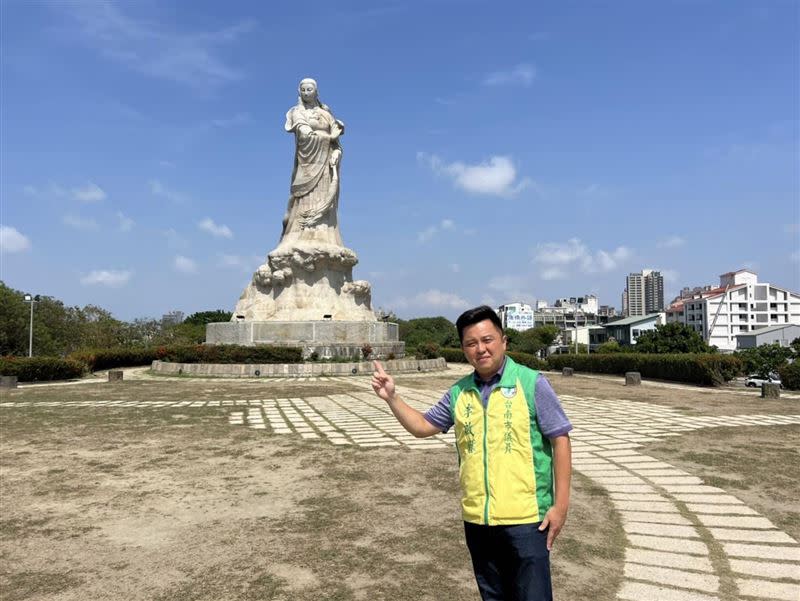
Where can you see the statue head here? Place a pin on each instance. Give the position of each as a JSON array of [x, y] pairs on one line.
[[307, 90]]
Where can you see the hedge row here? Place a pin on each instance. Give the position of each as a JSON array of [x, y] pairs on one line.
[[453, 355], [790, 375], [702, 368], [456, 355], [188, 353], [529, 360], [32, 369]]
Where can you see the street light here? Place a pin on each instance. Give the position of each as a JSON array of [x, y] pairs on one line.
[[32, 300]]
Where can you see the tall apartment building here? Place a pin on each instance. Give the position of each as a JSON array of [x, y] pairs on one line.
[[741, 304], [644, 293]]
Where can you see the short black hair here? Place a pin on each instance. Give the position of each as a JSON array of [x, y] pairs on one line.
[[476, 315]]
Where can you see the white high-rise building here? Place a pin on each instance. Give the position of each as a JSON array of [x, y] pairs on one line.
[[741, 304], [644, 293]]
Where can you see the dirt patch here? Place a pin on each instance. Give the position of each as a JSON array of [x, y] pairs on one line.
[[128, 503], [141, 503], [179, 389]]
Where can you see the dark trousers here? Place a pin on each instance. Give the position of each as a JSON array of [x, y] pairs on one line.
[[511, 563]]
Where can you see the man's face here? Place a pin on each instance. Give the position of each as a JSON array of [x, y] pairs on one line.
[[485, 347]]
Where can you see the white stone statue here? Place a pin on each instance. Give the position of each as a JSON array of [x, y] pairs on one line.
[[309, 274]]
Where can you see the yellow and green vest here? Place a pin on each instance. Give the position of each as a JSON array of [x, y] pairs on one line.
[[505, 463]]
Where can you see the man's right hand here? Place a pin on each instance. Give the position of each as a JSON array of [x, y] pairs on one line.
[[382, 383]]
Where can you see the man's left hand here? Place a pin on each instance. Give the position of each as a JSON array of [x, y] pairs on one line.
[[554, 519]]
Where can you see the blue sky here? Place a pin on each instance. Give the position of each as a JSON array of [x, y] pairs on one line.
[[494, 151]]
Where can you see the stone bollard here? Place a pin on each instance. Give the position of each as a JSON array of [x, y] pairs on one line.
[[567, 372], [770, 391], [115, 375], [633, 378], [8, 381]]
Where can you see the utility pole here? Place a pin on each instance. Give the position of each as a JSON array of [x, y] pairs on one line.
[[576, 327], [29, 298]]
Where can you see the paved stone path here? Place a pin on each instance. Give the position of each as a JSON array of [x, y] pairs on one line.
[[686, 541]]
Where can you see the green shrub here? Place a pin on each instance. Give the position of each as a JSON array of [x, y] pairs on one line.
[[612, 346], [33, 369], [453, 355], [708, 369], [790, 375], [110, 358], [528, 360], [186, 353], [428, 350]]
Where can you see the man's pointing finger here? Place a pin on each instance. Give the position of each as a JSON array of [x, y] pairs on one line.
[[378, 368]]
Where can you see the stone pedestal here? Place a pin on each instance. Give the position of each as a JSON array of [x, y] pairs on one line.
[[8, 381], [115, 375], [567, 372], [326, 338], [770, 391], [633, 378]]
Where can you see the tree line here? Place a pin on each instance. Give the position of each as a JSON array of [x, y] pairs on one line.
[[59, 329]]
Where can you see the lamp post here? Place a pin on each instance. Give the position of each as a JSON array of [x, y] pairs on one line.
[[29, 298]]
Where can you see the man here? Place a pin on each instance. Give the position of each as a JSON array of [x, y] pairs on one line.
[[514, 459]]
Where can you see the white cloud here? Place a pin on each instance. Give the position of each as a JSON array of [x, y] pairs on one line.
[[237, 119], [13, 241], [30, 191], [230, 260], [429, 232], [166, 164], [184, 57], [237, 262], [107, 277], [219, 231], [556, 259], [671, 242], [184, 264], [434, 299], [496, 177], [670, 275], [595, 191], [125, 223], [159, 189], [520, 75], [455, 268], [91, 192], [512, 287], [80, 223], [553, 273]]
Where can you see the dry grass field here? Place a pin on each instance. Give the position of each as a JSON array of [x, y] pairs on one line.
[[175, 503]]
